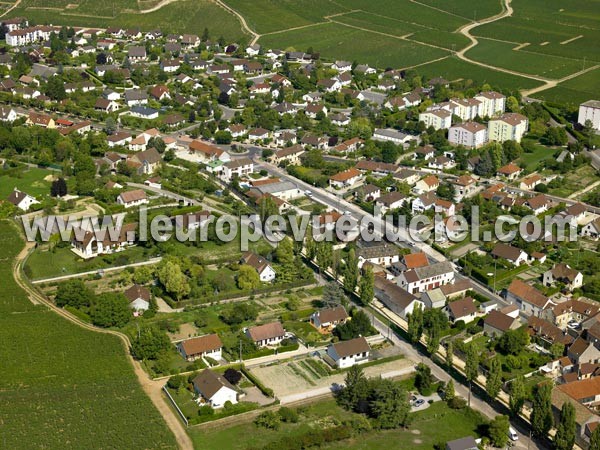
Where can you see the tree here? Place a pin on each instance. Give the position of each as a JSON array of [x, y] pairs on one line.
[[449, 392], [513, 342], [388, 403], [142, 275], [150, 343], [557, 350], [285, 252], [541, 414], [493, 382], [471, 366], [367, 286], [423, 378], [434, 322], [564, 439], [158, 143], [355, 389], [110, 126], [450, 355], [324, 255], [595, 439], [333, 295], [517, 395], [512, 104], [268, 419], [233, 376], [58, 188], [247, 278], [415, 324], [173, 279], [239, 313], [110, 309], [55, 89], [351, 272], [73, 293], [360, 325], [498, 431]]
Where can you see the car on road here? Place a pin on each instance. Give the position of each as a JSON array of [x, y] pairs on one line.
[[512, 434], [308, 193]]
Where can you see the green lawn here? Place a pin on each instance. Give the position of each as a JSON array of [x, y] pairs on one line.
[[62, 386], [306, 332], [30, 181], [436, 424], [539, 154]]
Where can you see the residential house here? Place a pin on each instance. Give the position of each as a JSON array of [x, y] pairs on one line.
[[377, 253], [206, 152], [130, 199], [135, 97], [562, 273], [329, 318], [264, 269], [497, 323], [375, 167], [40, 120], [267, 334], [582, 351], [529, 183], [214, 389], [136, 53], [390, 201], [441, 163], [508, 127], [463, 309], [423, 279], [146, 162], [237, 168], [592, 229], [139, 298], [392, 135], [106, 106], [510, 171], [289, 155], [349, 353], [547, 332], [427, 184], [346, 178], [368, 193], [195, 348], [396, 299], [144, 112], [468, 134], [258, 134], [410, 177], [284, 190], [86, 244], [464, 186], [578, 310], [512, 254], [120, 138], [425, 152], [21, 200], [424, 202], [527, 298], [7, 114], [159, 92]]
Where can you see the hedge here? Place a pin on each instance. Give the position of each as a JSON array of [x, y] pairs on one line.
[[265, 390]]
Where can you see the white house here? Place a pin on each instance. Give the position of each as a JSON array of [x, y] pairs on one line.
[[267, 334], [571, 278], [513, 254], [468, 134], [87, 244], [139, 298], [329, 318], [346, 178], [261, 265], [392, 135], [527, 298], [214, 389], [590, 110], [592, 229], [422, 279], [133, 198], [21, 200], [237, 167], [463, 309], [195, 348], [348, 353], [7, 114], [378, 253]]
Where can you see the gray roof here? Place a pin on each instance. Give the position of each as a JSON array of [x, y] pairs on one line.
[[143, 110], [433, 270], [272, 188], [466, 443]]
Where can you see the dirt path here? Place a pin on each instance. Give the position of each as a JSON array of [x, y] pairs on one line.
[[156, 7], [17, 3], [250, 31], [152, 388]]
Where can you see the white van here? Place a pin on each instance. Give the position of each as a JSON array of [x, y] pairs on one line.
[[512, 434]]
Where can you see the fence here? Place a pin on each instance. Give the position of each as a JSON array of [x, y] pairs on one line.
[[175, 405]]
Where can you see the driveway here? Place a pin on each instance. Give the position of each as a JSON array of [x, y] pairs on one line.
[[433, 397]]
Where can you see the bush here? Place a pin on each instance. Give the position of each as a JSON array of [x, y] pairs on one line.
[[206, 410], [457, 403], [269, 420], [288, 415], [233, 376], [177, 382]]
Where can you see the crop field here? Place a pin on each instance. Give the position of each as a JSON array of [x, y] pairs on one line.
[[453, 68], [502, 54], [189, 16], [467, 8], [574, 91], [107, 8], [552, 27], [338, 42], [63, 386]]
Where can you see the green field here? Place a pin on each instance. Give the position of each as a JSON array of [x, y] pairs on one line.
[[453, 69], [436, 424], [501, 54], [62, 386], [574, 91], [30, 181], [190, 16], [335, 41]]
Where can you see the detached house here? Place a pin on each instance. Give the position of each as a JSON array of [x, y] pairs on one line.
[[513, 254], [349, 353], [427, 184], [464, 186], [426, 278], [396, 299], [497, 323], [289, 155], [139, 298], [237, 168], [527, 298], [199, 347], [562, 273], [131, 199], [329, 318], [391, 201], [463, 309], [378, 253], [346, 178], [592, 229], [214, 389], [267, 334], [21, 200], [261, 265], [87, 244], [510, 171], [530, 182]]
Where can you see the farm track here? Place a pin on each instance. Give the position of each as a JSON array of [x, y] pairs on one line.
[[250, 31], [152, 388], [16, 4]]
